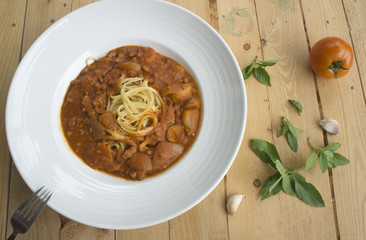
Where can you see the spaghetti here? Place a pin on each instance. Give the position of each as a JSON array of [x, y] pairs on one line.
[[135, 107]]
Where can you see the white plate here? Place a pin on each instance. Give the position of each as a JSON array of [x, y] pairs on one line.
[[33, 127]]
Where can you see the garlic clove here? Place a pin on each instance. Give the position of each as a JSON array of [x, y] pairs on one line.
[[330, 125], [233, 203]]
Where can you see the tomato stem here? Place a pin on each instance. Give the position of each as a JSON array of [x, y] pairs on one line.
[[337, 65]]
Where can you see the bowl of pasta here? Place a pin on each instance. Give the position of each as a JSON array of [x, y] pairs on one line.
[[130, 112]]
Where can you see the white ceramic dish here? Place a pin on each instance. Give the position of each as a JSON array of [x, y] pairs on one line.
[[33, 127]]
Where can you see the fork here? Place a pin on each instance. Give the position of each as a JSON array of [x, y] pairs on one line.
[[27, 213]]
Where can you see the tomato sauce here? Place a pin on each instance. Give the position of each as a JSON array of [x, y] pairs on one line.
[[84, 115]]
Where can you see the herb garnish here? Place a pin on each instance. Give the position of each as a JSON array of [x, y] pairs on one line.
[[285, 178], [291, 132], [297, 105], [328, 157], [288, 180], [259, 72]]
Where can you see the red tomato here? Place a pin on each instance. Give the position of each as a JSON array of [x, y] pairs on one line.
[[331, 57]]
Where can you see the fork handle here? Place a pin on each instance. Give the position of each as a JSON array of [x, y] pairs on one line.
[[12, 236]]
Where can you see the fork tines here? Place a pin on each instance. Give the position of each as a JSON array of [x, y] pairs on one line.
[[34, 205]]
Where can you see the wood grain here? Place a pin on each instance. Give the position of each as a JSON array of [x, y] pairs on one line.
[[249, 222], [11, 30], [39, 16], [73, 230], [156, 232], [356, 18], [207, 220], [343, 100], [201, 7], [80, 3], [214, 19], [283, 37], [271, 29]]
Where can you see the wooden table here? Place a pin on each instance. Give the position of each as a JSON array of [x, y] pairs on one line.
[[270, 29]]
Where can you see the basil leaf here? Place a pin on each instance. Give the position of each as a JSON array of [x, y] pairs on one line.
[[295, 131], [323, 162], [266, 151], [271, 186], [292, 141], [292, 133], [283, 131], [311, 161], [298, 176], [332, 147], [280, 168], [275, 184], [288, 185], [255, 65], [308, 193], [246, 72], [329, 158], [331, 163], [340, 160], [277, 189], [262, 76], [267, 63], [328, 154], [297, 105]]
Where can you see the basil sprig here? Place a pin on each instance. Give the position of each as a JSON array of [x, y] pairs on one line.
[[285, 178], [288, 180], [257, 67], [292, 133], [328, 157]]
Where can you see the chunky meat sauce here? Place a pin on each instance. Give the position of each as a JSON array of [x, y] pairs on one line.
[[84, 116]]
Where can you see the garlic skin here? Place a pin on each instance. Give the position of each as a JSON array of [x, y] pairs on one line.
[[330, 125], [233, 203]]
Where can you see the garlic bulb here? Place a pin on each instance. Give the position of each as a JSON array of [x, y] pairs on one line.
[[233, 203], [330, 125]]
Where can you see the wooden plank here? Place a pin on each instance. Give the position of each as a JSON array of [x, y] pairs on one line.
[[207, 220], [11, 31], [238, 26], [156, 232], [356, 18], [39, 15], [282, 36], [72, 230], [80, 3], [214, 19], [200, 8], [343, 100]]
